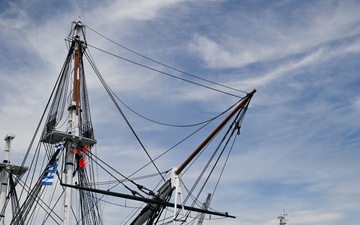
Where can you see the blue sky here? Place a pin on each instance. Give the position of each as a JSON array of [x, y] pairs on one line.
[[299, 146]]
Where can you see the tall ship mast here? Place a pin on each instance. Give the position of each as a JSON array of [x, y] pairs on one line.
[[59, 180]]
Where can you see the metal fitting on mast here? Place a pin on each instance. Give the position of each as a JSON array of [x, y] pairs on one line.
[[8, 138]]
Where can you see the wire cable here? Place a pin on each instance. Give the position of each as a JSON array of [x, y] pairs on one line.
[[162, 72], [162, 123], [108, 90], [181, 141], [163, 64]]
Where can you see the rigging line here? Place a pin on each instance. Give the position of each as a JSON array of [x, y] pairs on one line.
[[171, 148], [162, 72], [208, 164], [223, 168], [55, 204], [200, 176], [11, 193], [31, 167], [217, 160], [40, 122], [38, 200], [217, 132], [132, 191], [90, 155], [194, 199], [41, 119], [162, 64], [187, 137], [161, 123], [108, 90], [197, 157], [133, 213], [94, 205], [74, 214], [135, 178], [113, 203], [238, 121], [85, 216], [35, 211]]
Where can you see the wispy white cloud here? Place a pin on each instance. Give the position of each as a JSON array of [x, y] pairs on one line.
[[272, 37], [311, 217], [298, 146], [139, 10], [13, 18]]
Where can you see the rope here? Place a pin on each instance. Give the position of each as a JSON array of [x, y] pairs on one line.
[[162, 123], [108, 90], [163, 64], [164, 73]]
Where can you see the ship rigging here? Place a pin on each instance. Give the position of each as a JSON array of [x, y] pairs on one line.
[[65, 178]]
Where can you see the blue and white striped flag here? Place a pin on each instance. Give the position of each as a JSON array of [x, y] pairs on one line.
[[58, 145], [50, 170], [48, 177]]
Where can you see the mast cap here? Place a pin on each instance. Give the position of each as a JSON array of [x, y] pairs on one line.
[[9, 136]]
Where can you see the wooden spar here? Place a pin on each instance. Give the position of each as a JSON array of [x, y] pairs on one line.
[[76, 79], [212, 134], [76, 91], [148, 200]]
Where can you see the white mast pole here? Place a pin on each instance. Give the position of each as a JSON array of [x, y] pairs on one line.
[[5, 174], [73, 129]]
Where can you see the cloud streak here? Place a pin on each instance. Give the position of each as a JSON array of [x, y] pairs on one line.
[[298, 148]]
